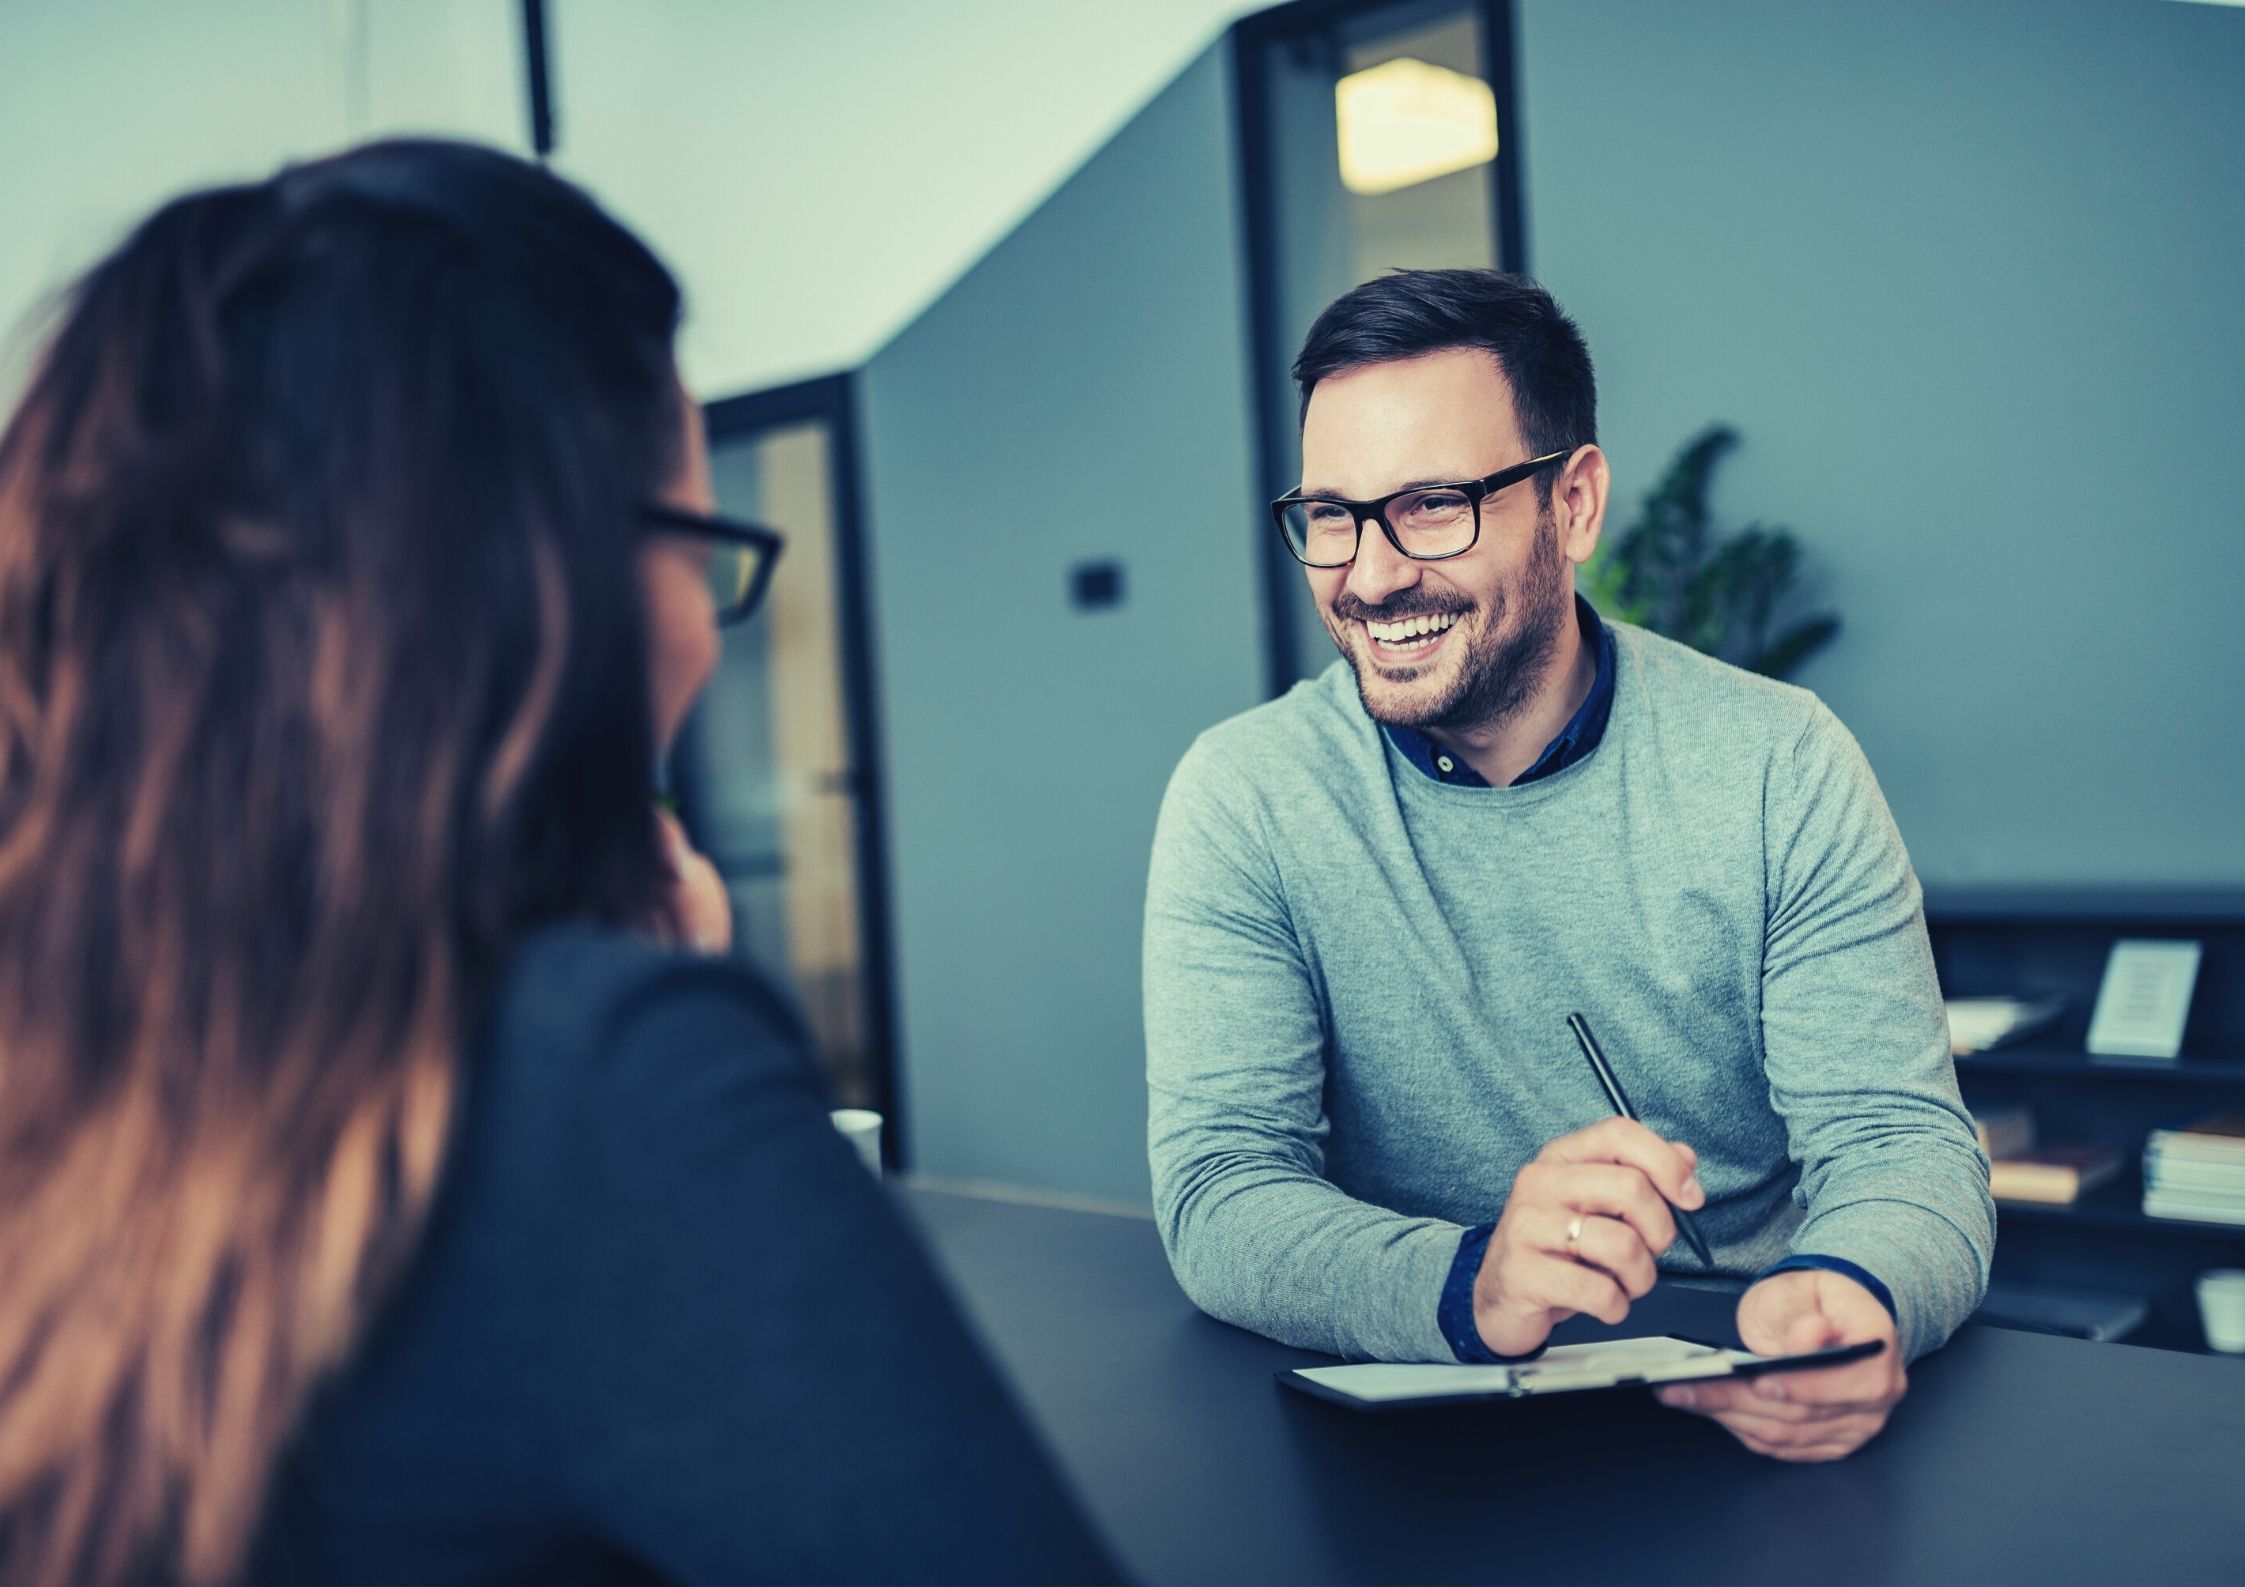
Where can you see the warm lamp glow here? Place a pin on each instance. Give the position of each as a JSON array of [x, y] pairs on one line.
[[1407, 121]]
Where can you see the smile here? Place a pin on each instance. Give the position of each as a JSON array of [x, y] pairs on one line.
[[1409, 636]]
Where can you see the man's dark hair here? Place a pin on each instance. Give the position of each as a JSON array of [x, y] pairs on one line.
[[1410, 312]]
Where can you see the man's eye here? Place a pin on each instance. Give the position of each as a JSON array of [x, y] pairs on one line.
[[1326, 515]]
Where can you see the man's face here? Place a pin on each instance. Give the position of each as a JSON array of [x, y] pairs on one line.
[[1496, 612]]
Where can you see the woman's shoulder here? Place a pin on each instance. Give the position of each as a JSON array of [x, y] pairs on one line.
[[590, 1022], [583, 988]]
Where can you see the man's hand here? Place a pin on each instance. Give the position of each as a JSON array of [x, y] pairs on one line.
[[1580, 1231], [700, 912], [1820, 1414]]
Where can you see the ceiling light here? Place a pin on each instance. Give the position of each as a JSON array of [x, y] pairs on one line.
[[1407, 121]]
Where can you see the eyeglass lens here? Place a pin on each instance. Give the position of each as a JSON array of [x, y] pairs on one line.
[[731, 574], [1430, 523]]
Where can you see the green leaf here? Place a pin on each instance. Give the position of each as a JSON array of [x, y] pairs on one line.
[[1796, 645], [1672, 572]]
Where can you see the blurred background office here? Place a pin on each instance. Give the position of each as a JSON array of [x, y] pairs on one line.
[[991, 303]]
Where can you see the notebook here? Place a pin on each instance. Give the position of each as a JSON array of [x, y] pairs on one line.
[[1563, 1369]]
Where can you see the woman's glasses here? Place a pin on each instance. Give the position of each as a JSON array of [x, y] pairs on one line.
[[741, 555]]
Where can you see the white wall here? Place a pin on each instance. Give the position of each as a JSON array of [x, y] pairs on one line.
[[1970, 280], [107, 110], [818, 173]]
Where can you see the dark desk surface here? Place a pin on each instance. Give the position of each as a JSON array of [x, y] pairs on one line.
[[2015, 1457]]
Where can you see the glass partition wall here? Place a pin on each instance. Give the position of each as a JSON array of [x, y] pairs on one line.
[[775, 773], [1375, 135]]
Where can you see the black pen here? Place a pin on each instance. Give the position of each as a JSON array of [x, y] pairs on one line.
[[1605, 1074]]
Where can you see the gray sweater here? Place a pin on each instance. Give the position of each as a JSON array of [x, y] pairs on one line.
[[1358, 978]]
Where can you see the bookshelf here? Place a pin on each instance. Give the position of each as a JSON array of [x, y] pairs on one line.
[[2039, 943], [2120, 1205], [2220, 1067]]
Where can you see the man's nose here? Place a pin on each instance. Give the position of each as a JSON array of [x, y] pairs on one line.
[[1379, 570]]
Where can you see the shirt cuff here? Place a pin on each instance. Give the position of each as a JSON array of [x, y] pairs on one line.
[[1455, 1312], [1836, 1264]]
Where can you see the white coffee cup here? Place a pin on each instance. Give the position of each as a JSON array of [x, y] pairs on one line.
[[863, 1127], [2221, 1307]]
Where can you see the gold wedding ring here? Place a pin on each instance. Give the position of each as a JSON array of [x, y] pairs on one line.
[[1574, 1234]]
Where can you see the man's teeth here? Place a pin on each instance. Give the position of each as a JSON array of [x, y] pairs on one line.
[[1406, 630]]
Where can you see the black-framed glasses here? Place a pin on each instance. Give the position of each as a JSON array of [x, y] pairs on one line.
[[741, 555], [1426, 522]]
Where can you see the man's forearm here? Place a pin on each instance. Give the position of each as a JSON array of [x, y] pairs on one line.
[[1932, 1259], [1264, 1245]]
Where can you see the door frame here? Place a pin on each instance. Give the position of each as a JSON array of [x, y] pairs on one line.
[[1257, 175], [831, 401]]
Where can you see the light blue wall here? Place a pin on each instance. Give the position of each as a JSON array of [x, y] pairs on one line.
[[1078, 395], [1970, 278]]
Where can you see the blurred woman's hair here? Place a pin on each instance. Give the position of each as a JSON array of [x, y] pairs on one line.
[[323, 677]]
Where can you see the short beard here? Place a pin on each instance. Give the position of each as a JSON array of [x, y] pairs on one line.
[[1499, 675]]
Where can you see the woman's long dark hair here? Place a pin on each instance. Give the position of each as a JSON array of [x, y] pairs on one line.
[[322, 679]]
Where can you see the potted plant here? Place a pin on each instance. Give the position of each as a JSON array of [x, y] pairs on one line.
[[1671, 571]]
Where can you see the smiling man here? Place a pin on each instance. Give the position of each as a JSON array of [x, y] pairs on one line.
[[1374, 902]]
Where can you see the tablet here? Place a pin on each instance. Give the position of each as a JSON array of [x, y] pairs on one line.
[[1563, 1369]]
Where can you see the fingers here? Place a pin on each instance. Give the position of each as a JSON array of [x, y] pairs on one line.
[[1630, 1144], [1609, 1186], [1780, 1429], [1615, 1248], [1790, 1396], [1877, 1381], [1785, 1315], [1795, 1312], [1607, 1190], [1826, 1441], [1557, 1284]]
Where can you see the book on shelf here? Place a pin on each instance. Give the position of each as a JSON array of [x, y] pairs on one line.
[[2191, 1177], [2005, 1131], [2194, 1209], [2056, 1174], [2216, 1138], [2197, 1173], [1978, 1023]]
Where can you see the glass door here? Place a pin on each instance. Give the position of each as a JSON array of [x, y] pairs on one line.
[[1376, 135], [774, 771]]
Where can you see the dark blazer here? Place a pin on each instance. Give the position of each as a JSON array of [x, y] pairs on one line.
[[664, 1326]]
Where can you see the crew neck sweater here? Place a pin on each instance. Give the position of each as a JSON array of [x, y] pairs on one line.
[[1357, 980]]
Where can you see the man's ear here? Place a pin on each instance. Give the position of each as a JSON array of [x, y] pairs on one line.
[[1578, 503]]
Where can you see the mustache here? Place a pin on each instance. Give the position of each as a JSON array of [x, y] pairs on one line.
[[1351, 610]]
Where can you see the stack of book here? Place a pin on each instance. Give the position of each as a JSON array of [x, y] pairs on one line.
[[1978, 1023], [2055, 1174], [2197, 1172], [2019, 1172]]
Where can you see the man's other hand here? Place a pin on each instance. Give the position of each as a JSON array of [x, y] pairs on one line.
[[1820, 1414], [1580, 1231]]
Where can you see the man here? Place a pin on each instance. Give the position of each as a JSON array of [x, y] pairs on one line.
[[1374, 902]]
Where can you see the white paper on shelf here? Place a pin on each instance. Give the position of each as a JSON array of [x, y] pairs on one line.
[[2145, 999]]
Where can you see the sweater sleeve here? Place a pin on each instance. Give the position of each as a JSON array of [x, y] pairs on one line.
[[1856, 1045], [764, 1378], [1236, 1126]]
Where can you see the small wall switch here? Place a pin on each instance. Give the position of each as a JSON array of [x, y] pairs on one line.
[[1093, 586]]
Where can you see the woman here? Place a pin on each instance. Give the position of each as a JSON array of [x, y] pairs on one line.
[[379, 1198]]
